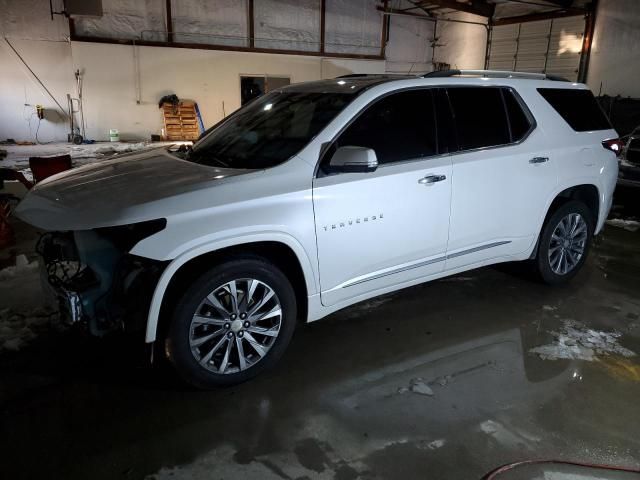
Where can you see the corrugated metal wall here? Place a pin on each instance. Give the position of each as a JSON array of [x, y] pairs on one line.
[[547, 46]]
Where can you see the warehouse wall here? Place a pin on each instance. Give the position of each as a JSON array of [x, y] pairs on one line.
[[615, 62], [461, 45], [409, 49], [211, 78], [42, 44]]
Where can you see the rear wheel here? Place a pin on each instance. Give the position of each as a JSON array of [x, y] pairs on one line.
[[232, 323], [564, 243]]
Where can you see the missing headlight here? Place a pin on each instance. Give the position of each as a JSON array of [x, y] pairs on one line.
[[125, 237]]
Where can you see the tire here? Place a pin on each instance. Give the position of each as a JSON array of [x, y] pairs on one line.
[[209, 297], [546, 261]]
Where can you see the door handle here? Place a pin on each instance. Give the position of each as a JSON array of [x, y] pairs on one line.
[[430, 179], [539, 160]]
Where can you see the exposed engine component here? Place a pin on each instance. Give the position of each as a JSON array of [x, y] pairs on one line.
[[95, 280]]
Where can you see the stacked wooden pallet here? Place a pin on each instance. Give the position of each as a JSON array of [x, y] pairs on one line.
[[180, 121]]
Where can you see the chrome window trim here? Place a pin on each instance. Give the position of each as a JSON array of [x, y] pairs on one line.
[[532, 122]]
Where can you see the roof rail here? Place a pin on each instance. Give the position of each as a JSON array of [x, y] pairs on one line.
[[358, 75], [494, 74]]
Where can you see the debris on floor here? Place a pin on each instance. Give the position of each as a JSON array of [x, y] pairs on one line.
[[419, 386], [18, 329], [577, 342], [86, 151], [22, 320], [22, 266], [630, 225]]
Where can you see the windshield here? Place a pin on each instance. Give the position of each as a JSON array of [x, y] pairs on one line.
[[269, 130]]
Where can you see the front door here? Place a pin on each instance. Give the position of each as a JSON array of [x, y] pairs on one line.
[[385, 229]]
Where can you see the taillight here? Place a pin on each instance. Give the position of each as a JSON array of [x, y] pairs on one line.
[[614, 144]]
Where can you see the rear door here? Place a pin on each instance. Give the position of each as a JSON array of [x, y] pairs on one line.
[[503, 175], [383, 229]]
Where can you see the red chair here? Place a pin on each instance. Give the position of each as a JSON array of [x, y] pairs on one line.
[[45, 167], [6, 202]]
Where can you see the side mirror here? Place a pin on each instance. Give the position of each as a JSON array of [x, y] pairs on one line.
[[353, 160]]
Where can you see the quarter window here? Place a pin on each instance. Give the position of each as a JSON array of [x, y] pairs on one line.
[[520, 124], [480, 117], [398, 127], [578, 108]]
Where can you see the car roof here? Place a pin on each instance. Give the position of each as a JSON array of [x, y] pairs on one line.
[[357, 83], [354, 83]]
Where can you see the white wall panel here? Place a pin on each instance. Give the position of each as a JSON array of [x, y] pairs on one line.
[[409, 47], [51, 62], [210, 77], [353, 26], [214, 22], [30, 19], [462, 45], [287, 24], [124, 19], [615, 61]]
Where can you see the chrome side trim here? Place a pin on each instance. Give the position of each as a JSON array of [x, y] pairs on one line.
[[427, 262], [397, 270], [477, 249]]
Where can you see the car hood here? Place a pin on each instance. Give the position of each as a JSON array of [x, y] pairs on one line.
[[115, 192]]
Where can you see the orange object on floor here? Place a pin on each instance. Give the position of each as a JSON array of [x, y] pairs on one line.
[[45, 167]]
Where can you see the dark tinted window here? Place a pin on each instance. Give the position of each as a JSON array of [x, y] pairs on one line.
[[447, 140], [269, 130], [480, 117], [398, 127], [578, 107], [518, 120]]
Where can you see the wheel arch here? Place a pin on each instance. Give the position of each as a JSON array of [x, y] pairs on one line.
[[587, 193], [285, 252]]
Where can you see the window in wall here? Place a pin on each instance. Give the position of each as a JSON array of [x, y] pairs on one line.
[[252, 86], [480, 117], [578, 108], [398, 127], [518, 119]]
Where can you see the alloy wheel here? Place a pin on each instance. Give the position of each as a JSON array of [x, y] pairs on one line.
[[235, 326], [568, 243]]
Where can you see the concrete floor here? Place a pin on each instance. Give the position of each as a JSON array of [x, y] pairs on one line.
[[341, 404]]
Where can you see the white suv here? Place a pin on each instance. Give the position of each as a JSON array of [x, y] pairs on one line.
[[320, 195]]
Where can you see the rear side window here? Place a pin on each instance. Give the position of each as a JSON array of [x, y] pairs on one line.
[[520, 124], [398, 127], [480, 117], [578, 108]]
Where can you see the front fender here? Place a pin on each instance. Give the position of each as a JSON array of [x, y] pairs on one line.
[[176, 263]]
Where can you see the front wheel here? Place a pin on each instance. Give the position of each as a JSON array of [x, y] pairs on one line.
[[232, 323], [564, 243]]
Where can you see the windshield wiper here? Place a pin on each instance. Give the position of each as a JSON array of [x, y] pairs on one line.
[[221, 163]]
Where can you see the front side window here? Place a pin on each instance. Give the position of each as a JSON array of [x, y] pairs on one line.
[[480, 117], [398, 127], [269, 130]]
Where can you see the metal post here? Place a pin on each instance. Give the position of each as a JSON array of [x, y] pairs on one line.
[[323, 12], [251, 27], [169, 22]]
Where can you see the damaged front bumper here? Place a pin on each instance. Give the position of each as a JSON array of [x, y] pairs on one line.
[[94, 279]]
